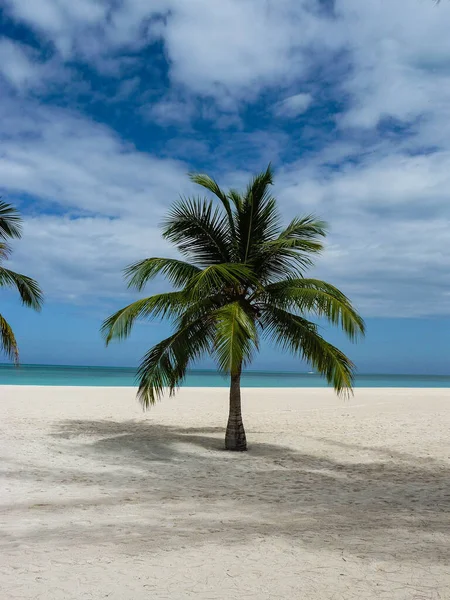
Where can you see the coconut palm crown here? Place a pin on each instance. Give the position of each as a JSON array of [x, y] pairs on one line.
[[242, 280], [29, 291]]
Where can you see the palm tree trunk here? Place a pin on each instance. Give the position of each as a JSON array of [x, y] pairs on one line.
[[235, 436]]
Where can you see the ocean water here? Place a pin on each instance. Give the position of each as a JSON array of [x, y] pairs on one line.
[[125, 377]]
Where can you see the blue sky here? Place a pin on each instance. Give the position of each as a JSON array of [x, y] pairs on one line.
[[105, 105]]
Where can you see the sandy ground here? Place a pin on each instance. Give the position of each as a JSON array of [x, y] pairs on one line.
[[335, 500]]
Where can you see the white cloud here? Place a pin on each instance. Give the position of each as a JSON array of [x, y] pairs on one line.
[[292, 106], [234, 48], [386, 198], [15, 64], [72, 162], [64, 23], [168, 112], [237, 46], [99, 200], [389, 255], [400, 54], [81, 260], [388, 211], [388, 229], [231, 50], [392, 267], [76, 167], [22, 68], [228, 49]]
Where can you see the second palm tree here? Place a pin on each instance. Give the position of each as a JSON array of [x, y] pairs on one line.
[[29, 291]]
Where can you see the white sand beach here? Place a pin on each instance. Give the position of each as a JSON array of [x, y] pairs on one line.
[[335, 499]]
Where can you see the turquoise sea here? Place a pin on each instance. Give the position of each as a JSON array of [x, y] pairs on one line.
[[125, 377]]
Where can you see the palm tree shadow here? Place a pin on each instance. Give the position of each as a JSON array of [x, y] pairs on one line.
[[146, 441], [398, 506]]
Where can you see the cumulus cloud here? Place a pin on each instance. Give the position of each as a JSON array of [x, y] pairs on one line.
[[225, 50], [15, 65], [68, 160], [388, 221], [97, 200], [63, 23], [23, 70], [292, 106], [79, 260], [168, 111], [380, 177]]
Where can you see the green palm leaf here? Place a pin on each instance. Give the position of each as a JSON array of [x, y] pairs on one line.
[[119, 325], [293, 250], [235, 337], [10, 222], [299, 336], [236, 199], [178, 272], [210, 184], [305, 228], [8, 341], [5, 251], [164, 366], [258, 218], [228, 277], [318, 297], [199, 231], [28, 289]]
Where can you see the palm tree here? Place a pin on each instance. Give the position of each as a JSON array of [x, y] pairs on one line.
[[29, 291], [243, 280]]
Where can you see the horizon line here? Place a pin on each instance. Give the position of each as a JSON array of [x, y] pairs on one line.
[[204, 370]]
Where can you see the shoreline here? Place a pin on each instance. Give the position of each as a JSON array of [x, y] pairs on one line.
[[10, 365], [283, 389], [61, 376]]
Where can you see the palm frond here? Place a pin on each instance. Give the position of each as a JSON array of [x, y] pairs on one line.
[[235, 337], [300, 337], [236, 199], [178, 272], [10, 222], [119, 325], [210, 184], [164, 366], [318, 297], [257, 189], [258, 219], [293, 250], [28, 289], [305, 228], [200, 307], [7, 340], [5, 250], [225, 277], [281, 258], [199, 231]]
